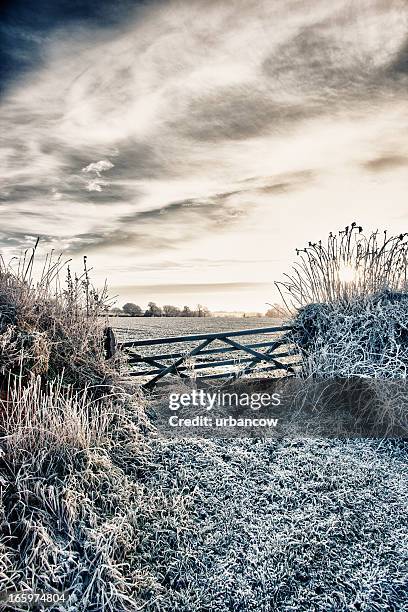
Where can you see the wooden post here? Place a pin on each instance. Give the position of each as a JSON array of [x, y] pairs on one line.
[[109, 342]]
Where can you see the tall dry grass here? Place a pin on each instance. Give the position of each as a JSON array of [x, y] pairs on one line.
[[65, 498], [350, 304], [348, 265], [50, 323]]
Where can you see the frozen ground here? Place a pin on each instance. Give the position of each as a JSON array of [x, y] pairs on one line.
[[263, 525]]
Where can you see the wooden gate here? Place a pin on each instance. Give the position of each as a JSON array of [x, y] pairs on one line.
[[236, 360]]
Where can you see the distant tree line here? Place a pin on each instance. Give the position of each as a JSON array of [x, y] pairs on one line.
[[153, 310]]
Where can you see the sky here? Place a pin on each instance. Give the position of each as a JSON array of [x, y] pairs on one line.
[[188, 147]]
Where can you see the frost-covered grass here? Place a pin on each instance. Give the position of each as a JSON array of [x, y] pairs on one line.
[[93, 503], [51, 325], [123, 522], [359, 344], [65, 494], [262, 525], [67, 428], [366, 336], [351, 321]]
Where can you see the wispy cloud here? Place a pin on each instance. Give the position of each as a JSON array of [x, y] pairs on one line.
[[386, 162]]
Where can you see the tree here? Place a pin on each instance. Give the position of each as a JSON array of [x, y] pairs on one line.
[[132, 310], [171, 311], [153, 310], [187, 312], [116, 312], [202, 311]]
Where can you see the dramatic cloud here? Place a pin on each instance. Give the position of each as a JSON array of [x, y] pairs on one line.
[[197, 130]]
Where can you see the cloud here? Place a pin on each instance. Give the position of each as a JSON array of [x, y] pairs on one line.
[[172, 225], [193, 288], [385, 162], [399, 67], [235, 113], [98, 167], [167, 227], [97, 184]]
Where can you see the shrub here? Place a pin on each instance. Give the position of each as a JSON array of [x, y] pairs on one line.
[[351, 305]]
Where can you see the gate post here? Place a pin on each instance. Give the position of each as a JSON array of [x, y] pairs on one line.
[[109, 342]]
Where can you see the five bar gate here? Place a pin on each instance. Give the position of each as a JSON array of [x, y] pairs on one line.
[[189, 361]]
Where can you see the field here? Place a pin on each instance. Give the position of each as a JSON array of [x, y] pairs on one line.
[[163, 327], [286, 525]]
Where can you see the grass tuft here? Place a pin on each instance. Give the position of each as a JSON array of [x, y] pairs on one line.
[[349, 264]]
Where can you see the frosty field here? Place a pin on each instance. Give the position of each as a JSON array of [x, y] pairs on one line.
[[264, 526], [163, 327]]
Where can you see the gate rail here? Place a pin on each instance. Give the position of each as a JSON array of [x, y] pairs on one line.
[[179, 359]]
